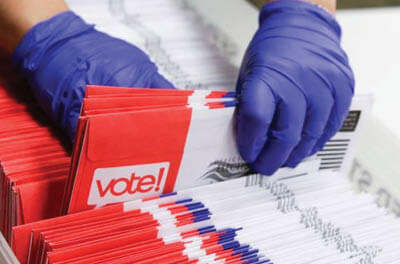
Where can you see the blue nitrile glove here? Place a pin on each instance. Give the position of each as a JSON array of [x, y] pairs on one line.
[[295, 86], [60, 56]]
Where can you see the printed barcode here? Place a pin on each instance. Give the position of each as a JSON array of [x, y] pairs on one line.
[[332, 155], [351, 122]]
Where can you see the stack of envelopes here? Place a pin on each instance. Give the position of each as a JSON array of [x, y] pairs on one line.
[[132, 143], [34, 164], [308, 218]]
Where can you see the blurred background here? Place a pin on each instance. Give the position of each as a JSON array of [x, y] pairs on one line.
[[366, 3], [352, 3]]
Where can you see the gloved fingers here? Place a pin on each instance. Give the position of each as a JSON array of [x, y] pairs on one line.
[[318, 111], [254, 116], [159, 81], [286, 128], [343, 97]]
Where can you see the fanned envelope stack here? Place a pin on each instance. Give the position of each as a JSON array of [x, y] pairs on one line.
[[34, 164], [306, 218], [132, 143]]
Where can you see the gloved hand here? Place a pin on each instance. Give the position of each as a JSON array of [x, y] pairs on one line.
[[295, 86], [62, 55]]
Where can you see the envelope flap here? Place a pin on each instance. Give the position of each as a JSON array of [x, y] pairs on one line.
[[151, 133], [42, 200]]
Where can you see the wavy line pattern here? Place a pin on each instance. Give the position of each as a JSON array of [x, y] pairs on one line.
[[330, 234], [222, 170]]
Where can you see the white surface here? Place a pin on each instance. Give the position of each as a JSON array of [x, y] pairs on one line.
[[371, 37], [6, 255], [376, 168], [372, 40]]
